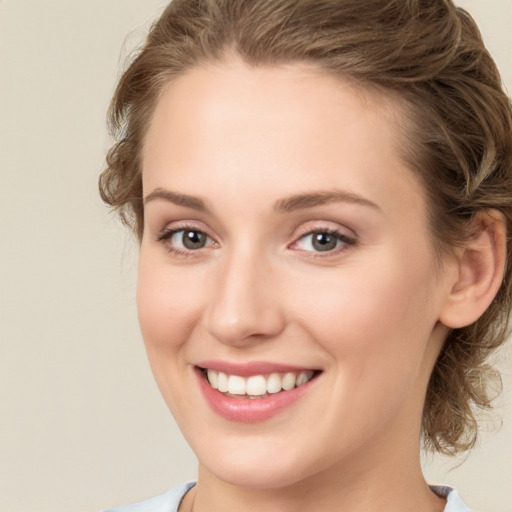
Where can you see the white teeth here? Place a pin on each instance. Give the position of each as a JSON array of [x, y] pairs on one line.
[[288, 381], [222, 382], [303, 377], [236, 385], [213, 379], [257, 385], [274, 383]]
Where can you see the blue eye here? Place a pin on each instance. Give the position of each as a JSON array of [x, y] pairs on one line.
[[323, 241]]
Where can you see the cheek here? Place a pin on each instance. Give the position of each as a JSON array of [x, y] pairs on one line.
[[376, 316], [375, 324], [167, 303]]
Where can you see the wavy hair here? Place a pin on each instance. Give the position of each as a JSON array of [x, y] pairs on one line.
[[456, 133]]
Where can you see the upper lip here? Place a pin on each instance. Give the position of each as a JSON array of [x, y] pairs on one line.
[[251, 368]]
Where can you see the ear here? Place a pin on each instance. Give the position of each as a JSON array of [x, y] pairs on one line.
[[480, 269]]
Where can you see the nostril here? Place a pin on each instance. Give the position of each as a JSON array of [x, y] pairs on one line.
[[245, 329]]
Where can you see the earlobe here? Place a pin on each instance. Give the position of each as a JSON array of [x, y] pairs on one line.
[[480, 266]]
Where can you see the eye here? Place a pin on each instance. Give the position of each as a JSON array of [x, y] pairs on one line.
[[183, 241], [323, 241], [189, 239]]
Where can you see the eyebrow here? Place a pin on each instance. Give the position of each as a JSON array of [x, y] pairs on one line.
[[178, 199], [285, 205], [320, 198]]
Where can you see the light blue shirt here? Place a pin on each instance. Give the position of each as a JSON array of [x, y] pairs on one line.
[[170, 501]]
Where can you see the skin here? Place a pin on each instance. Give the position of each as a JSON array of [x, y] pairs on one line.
[[241, 140]]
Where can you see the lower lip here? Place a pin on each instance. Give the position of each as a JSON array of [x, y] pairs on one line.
[[247, 410]]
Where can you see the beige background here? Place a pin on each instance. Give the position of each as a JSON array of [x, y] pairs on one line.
[[82, 425]]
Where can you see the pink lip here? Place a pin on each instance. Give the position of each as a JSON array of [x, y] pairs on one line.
[[246, 410], [252, 368]]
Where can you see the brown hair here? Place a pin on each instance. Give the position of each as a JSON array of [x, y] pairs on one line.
[[428, 54]]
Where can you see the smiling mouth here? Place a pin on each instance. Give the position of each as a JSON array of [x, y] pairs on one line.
[[257, 386]]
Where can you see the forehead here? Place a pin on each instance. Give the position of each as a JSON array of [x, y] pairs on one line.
[[272, 125], [233, 84], [298, 89]]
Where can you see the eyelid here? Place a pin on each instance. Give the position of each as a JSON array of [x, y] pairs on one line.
[[308, 229], [165, 235], [184, 225], [320, 226], [340, 236], [348, 240]]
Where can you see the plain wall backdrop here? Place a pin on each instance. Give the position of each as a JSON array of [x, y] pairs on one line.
[[82, 425]]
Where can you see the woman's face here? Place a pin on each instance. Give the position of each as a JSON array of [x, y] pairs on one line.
[[286, 253]]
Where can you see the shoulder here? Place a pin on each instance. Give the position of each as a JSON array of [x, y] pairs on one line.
[[167, 502], [454, 502]]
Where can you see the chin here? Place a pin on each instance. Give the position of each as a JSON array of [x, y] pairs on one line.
[[256, 469], [261, 478]]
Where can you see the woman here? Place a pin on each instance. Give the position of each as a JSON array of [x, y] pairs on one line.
[[322, 193]]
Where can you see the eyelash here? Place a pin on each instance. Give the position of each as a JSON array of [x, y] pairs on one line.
[[346, 241], [167, 234]]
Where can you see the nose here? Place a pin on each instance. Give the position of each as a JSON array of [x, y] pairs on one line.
[[245, 307]]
